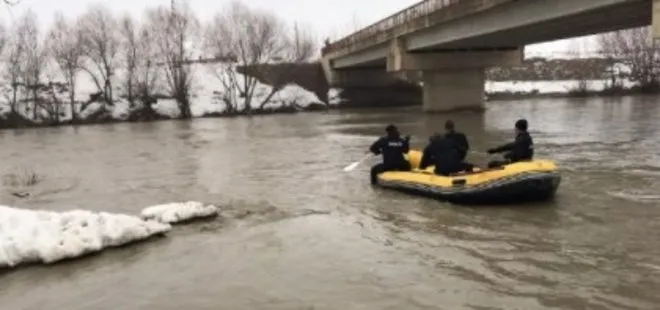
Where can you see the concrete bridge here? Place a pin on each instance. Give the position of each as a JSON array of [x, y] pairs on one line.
[[448, 44]]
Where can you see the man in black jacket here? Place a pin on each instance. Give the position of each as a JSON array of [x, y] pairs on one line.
[[521, 149], [392, 147], [458, 138], [443, 154]]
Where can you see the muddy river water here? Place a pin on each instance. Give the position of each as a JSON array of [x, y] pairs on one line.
[[298, 233]]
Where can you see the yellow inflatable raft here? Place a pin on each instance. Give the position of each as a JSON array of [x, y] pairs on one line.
[[518, 182]]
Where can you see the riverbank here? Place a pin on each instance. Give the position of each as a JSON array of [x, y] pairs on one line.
[[210, 96], [289, 102], [274, 94], [512, 90]]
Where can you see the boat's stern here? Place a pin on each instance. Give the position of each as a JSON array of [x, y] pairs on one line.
[[525, 187]]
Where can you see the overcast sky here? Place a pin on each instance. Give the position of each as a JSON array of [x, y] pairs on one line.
[[329, 18]]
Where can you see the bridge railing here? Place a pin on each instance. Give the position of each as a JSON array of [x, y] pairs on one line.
[[402, 17]]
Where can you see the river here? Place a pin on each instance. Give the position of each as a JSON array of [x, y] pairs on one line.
[[298, 233]]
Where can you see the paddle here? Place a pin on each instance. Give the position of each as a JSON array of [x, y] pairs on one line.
[[354, 165]]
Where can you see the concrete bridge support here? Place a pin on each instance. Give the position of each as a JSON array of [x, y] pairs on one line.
[[655, 20], [451, 80], [453, 90]]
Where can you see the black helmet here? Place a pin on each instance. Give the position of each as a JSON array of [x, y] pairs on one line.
[[391, 129]]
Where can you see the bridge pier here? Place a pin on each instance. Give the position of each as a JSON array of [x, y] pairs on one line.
[[451, 80], [453, 90], [655, 20]]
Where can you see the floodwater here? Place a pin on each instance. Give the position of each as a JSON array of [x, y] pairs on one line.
[[298, 233]]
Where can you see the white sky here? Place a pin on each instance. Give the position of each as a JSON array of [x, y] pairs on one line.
[[328, 18]]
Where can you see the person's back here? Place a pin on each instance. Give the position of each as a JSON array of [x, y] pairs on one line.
[[392, 147], [459, 139], [442, 153], [428, 157]]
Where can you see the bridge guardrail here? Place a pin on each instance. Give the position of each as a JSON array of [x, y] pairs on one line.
[[397, 19]]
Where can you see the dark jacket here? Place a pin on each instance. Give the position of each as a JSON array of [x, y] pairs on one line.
[[392, 148], [442, 153], [460, 142], [522, 148]]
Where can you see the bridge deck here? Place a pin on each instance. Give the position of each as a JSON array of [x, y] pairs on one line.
[[421, 15]]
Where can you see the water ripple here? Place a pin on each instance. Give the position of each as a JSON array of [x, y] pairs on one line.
[[298, 233]]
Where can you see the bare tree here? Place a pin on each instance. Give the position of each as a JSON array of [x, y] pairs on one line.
[[250, 35], [101, 41], [140, 69], [130, 50], [299, 45], [253, 38], [147, 67], [580, 67], [635, 48], [15, 64], [64, 42], [35, 59], [302, 45], [175, 35], [3, 43], [3, 37]]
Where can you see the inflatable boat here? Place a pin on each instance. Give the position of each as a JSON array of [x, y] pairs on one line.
[[514, 183]]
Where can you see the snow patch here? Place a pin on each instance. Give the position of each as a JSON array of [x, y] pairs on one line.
[[548, 87], [31, 236], [167, 107], [334, 96], [179, 212], [293, 94]]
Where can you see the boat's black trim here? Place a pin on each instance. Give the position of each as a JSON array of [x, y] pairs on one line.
[[523, 187]]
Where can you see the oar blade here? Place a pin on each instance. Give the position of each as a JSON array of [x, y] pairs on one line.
[[351, 167]]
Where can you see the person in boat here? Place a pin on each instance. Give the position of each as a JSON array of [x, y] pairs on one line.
[[460, 143], [427, 156], [443, 154], [459, 139], [521, 149], [393, 148]]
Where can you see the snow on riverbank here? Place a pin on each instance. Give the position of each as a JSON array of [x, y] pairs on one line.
[[28, 236], [208, 95], [548, 87], [179, 212], [334, 96], [39, 236]]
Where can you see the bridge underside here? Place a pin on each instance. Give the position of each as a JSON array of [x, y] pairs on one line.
[[497, 29], [621, 16]]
